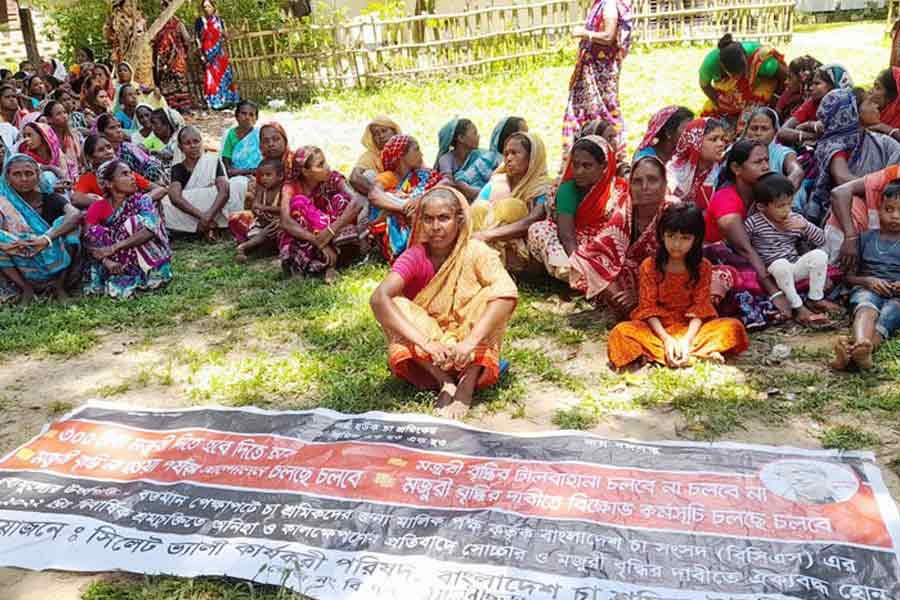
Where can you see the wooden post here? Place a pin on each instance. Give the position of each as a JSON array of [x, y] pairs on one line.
[[26, 23]]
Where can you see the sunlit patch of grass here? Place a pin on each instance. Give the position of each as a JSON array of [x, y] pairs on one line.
[[174, 588], [580, 417], [58, 407], [712, 401], [847, 437]]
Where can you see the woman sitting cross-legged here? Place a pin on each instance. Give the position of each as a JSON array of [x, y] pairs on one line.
[[675, 320], [318, 216], [38, 234], [126, 242], [98, 150], [445, 304], [592, 218], [514, 199], [199, 195]]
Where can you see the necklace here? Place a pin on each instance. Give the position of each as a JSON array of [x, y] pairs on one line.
[[890, 248]]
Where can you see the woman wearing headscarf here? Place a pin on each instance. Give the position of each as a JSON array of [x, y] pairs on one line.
[[69, 140], [166, 123], [39, 141], [844, 151], [691, 173], [803, 127], [505, 128], [318, 218], [592, 220], [594, 86], [171, 48], [126, 242], [368, 165], [395, 193], [663, 132], [461, 160], [513, 200], [38, 233], [445, 305]]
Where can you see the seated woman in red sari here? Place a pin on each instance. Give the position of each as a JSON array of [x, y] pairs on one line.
[[445, 304], [318, 216], [592, 220]]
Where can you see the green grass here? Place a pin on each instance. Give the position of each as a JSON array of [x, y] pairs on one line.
[[651, 78], [846, 437], [172, 588], [250, 337]]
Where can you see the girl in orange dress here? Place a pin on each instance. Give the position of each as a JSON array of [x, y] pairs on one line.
[[675, 320]]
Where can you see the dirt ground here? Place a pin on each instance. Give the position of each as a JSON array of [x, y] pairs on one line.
[[35, 389]]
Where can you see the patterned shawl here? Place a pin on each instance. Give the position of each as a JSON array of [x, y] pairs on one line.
[[534, 183], [685, 177], [371, 158], [869, 152], [655, 125], [603, 225]]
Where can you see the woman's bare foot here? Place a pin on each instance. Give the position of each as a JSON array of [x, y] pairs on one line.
[[825, 306], [459, 406], [841, 355], [331, 275], [861, 354], [240, 256], [60, 293], [812, 320], [26, 298], [716, 357], [445, 397]]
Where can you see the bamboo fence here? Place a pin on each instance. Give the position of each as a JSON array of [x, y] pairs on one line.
[[302, 57]]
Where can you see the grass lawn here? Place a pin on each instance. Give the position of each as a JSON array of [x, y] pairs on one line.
[[236, 335]]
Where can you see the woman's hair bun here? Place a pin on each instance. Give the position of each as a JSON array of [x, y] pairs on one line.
[[725, 40]]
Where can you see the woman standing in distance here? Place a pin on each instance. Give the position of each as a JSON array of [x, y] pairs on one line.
[[594, 87]]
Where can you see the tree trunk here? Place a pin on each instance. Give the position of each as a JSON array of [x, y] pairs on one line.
[[26, 23], [141, 53]]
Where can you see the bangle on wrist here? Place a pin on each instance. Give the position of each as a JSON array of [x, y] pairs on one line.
[[330, 230], [47, 237], [775, 295]]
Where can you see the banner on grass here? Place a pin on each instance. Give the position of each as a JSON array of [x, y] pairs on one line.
[[404, 507]]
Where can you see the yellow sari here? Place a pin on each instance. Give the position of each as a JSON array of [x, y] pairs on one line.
[[452, 303], [371, 158], [505, 206]]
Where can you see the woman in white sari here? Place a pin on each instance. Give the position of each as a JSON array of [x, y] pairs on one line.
[[198, 198]]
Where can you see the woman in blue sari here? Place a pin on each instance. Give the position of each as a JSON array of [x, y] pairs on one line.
[[38, 234], [460, 158], [240, 149]]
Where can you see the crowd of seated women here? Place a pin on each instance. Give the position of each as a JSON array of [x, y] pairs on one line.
[[778, 204]]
